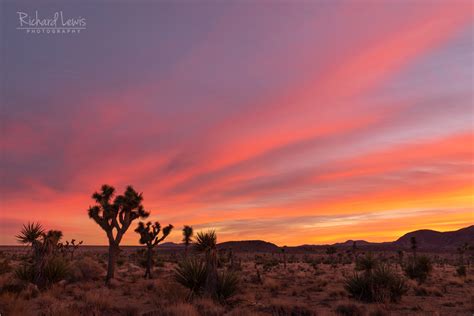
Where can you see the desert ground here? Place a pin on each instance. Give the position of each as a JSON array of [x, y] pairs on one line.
[[310, 283]]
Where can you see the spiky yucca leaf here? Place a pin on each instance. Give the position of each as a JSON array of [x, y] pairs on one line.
[[227, 285], [191, 274], [30, 233], [206, 241]]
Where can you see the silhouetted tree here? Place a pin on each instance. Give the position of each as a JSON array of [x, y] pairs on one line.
[[414, 246], [149, 237], [115, 217], [187, 235], [207, 244], [69, 247]]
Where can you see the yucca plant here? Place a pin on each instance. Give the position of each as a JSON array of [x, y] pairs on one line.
[[44, 246], [227, 285], [192, 274], [207, 244], [366, 263], [382, 285], [55, 270], [30, 234], [419, 268]]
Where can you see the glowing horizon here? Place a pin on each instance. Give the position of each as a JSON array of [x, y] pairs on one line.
[[299, 123]]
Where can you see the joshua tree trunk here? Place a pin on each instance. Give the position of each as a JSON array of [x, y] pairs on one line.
[[211, 279], [113, 253], [149, 256], [38, 265]]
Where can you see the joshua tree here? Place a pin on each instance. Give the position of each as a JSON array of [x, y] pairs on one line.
[[187, 235], [69, 247], [149, 237], [115, 217], [414, 245], [207, 243]]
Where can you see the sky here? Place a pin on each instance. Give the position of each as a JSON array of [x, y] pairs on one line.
[[294, 122]]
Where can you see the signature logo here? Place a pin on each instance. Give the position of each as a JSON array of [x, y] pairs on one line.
[[57, 23]]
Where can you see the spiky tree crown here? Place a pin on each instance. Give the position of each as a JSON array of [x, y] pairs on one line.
[[206, 242], [118, 213], [187, 234], [149, 233]]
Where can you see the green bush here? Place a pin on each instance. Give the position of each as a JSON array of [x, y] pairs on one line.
[[191, 273], [382, 285], [227, 285], [419, 268]]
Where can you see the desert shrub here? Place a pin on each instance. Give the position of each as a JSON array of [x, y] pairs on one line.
[[207, 307], [382, 285], [25, 273], [191, 273], [12, 304], [291, 310], [349, 310], [366, 263], [5, 266], [180, 309], [418, 268], [13, 285], [85, 269], [461, 271], [227, 285], [55, 270], [269, 264]]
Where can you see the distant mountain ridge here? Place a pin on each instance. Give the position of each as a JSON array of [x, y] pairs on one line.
[[426, 240]]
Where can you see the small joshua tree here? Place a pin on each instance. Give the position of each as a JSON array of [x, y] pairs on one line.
[[69, 247], [187, 235], [414, 246], [115, 217], [149, 237], [207, 244]]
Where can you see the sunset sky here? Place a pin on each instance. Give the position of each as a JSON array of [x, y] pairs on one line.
[[299, 122]]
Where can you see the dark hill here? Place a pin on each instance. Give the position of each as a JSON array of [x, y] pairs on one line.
[[431, 239], [249, 246]]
